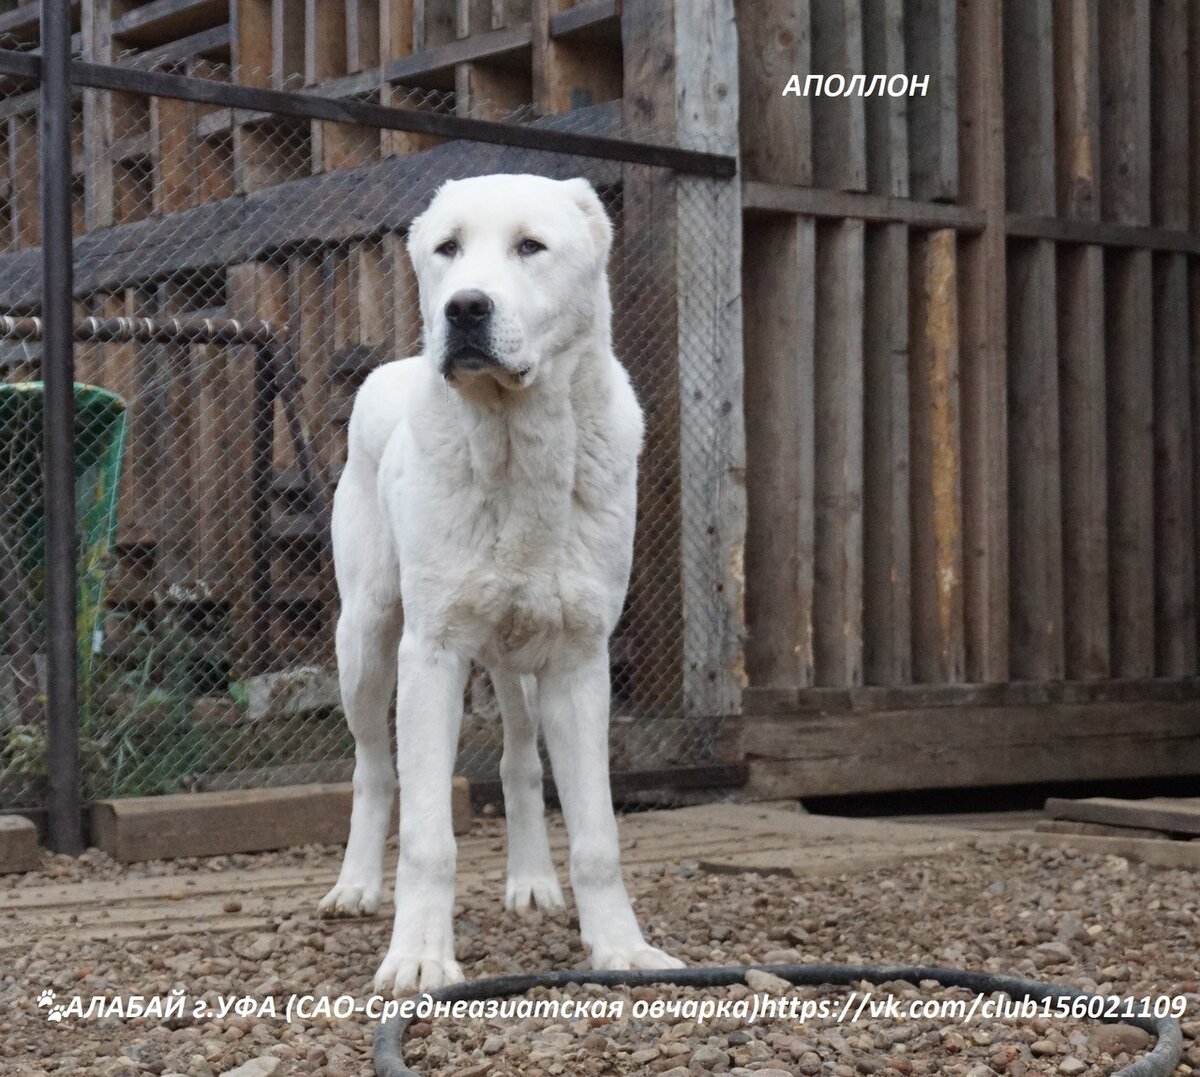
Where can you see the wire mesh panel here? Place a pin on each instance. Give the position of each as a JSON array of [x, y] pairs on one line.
[[214, 664]]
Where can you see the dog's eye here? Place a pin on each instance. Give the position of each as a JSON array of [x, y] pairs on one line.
[[529, 246], [448, 249]]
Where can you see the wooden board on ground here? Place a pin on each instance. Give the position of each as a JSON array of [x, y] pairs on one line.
[[18, 844], [1172, 816], [1153, 851], [234, 821]]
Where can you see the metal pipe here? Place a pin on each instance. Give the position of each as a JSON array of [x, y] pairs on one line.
[[364, 113], [147, 330], [65, 834]]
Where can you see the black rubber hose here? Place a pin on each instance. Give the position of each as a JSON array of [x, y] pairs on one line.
[[389, 1037]]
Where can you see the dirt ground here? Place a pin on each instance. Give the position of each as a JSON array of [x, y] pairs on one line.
[[714, 885]]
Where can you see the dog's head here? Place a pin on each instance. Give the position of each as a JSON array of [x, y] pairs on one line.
[[511, 271]]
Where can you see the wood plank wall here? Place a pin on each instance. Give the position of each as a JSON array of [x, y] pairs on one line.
[[971, 343]]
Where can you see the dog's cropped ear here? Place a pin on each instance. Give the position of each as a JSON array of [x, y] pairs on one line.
[[593, 209]]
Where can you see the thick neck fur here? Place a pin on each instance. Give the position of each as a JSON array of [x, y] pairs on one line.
[[523, 446]]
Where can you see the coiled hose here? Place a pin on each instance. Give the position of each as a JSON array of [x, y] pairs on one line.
[[1159, 1062]]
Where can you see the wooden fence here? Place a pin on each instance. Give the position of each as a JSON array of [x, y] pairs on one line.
[[971, 366]]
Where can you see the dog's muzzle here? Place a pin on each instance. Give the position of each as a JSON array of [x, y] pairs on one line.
[[468, 337]]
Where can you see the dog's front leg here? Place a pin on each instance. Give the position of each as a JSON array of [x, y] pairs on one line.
[[574, 704], [429, 704]]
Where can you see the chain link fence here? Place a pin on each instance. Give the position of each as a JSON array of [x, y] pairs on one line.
[[237, 274]]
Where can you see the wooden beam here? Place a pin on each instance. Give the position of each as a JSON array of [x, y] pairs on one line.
[[1173, 817], [1077, 117], [709, 345], [887, 117], [1174, 507], [778, 286], [1034, 508], [887, 533], [937, 545], [957, 747], [838, 378], [838, 122], [1125, 124], [1129, 345], [868, 699], [776, 132], [762, 197], [984, 343], [1083, 389], [930, 30]]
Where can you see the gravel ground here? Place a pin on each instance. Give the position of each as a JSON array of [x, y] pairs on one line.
[[1095, 922]]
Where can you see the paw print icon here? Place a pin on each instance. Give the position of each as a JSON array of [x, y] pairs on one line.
[[46, 998]]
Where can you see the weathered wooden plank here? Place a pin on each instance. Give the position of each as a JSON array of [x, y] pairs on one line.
[[1029, 108], [98, 135], [983, 341], [1125, 110], [930, 30], [776, 132], [571, 74], [709, 342], [1129, 347], [886, 116], [1174, 508], [887, 609], [251, 24], [1194, 115], [1077, 117], [778, 276], [362, 35], [324, 40], [173, 153], [434, 23], [761, 197], [838, 122], [243, 820], [1035, 504], [838, 377], [1170, 134], [163, 20], [1173, 817], [1085, 460], [955, 747], [18, 844], [287, 43], [937, 568]]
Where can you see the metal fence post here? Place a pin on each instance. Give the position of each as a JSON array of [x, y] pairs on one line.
[[64, 831]]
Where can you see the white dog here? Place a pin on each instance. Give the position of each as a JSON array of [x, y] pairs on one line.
[[490, 491]]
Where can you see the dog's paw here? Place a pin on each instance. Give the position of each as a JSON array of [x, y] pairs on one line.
[[350, 900], [402, 973], [640, 956], [522, 891]]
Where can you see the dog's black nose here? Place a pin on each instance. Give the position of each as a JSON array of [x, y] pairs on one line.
[[468, 308]]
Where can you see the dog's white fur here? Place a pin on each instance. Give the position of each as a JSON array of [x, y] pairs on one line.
[[496, 506]]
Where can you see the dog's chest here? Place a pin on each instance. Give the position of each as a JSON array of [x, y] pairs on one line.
[[532, 547]]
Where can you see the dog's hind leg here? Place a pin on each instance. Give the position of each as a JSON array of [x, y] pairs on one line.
[[368, 634], [531, 875]]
